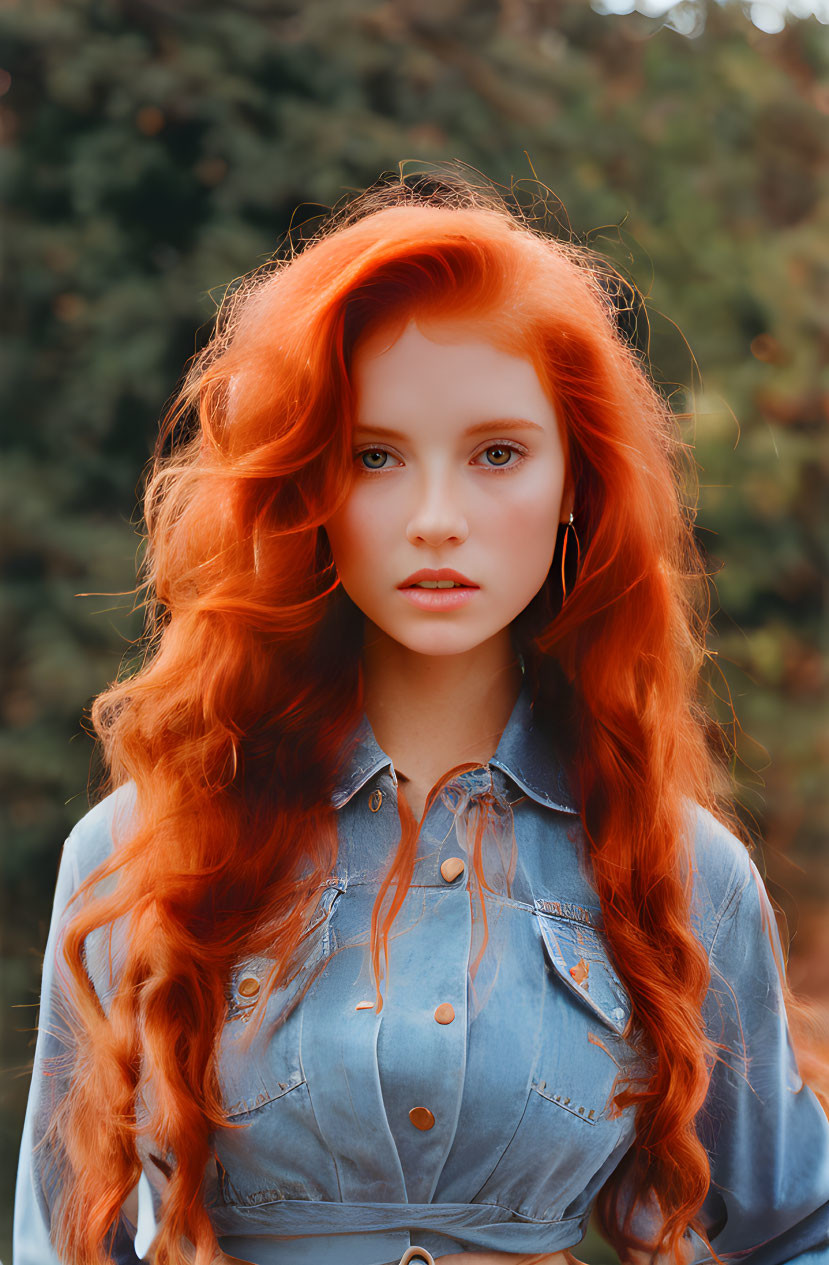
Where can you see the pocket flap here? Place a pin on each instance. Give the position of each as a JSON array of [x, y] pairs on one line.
[[250, 973], [576, 951]]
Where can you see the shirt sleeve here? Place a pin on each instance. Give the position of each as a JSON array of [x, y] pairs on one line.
[[36, 1190], [765, 1131]]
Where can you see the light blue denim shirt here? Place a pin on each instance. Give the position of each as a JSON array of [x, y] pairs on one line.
[[335, 1166]]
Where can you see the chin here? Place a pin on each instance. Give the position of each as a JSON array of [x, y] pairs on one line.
[[438, 642]]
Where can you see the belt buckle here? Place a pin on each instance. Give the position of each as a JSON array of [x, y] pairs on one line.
[[417, 1256]]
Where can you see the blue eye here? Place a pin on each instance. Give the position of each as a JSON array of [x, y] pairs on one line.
[[372, 452]]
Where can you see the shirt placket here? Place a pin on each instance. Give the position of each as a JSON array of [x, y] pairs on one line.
[[422, 1043]]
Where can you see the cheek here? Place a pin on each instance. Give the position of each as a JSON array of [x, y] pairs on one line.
[[356, 533], [522, 530]]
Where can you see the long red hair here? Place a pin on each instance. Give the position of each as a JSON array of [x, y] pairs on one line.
[[233, 730]]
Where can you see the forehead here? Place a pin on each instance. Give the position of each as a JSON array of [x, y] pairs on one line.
[[450, 368]]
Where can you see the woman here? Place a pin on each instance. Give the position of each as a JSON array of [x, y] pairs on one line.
[[413, 926]]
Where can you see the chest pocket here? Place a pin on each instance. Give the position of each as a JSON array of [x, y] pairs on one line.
[[278, 1152], [584, 1050], [568, 1130]]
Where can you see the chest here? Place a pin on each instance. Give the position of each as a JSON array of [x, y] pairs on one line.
[[484, 1077]]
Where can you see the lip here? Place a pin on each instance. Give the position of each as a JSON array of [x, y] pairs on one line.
[[439, 599], [445, 573]]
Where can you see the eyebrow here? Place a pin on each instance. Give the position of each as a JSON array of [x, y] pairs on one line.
[[480, 428]]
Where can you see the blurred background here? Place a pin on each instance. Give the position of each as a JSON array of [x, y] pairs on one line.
[[153, 151]]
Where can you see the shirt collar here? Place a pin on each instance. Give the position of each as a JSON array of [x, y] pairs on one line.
[[526, 753]]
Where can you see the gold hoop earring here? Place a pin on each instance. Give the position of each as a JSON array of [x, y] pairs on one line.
[[567, 528]]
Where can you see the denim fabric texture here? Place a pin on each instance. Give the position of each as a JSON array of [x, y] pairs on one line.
[[330, 1168]]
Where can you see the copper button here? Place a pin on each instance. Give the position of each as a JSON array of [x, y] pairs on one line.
[[375, 799], [249, 986], [445, 1013], [451, 868], [421, 1118], [417, 1256]]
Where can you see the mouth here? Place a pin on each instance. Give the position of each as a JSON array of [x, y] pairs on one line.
[[438, 584]]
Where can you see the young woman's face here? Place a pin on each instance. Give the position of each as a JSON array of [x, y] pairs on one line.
[[458, 465]]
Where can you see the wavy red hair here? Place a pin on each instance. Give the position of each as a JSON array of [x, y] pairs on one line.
[[233, 730]]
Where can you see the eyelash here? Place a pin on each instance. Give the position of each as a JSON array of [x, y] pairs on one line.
[[510, 445]]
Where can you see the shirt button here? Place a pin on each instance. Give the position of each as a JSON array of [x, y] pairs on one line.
[[451, 868], [248, 986], [421, 1118], [375, 799], [445, 1013]]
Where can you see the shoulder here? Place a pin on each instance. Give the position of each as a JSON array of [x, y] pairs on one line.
[[722, 869], [94, 837]]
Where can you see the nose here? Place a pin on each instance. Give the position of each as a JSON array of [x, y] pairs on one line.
[[437, 515]]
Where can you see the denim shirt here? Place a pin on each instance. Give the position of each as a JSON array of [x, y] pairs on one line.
[[473, 1112]]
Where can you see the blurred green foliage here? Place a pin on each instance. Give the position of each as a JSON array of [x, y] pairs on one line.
[[154, 150]]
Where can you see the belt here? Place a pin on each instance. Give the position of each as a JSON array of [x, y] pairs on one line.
[[417, 1256]]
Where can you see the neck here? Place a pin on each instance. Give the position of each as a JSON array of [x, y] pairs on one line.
[[431, 712]]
